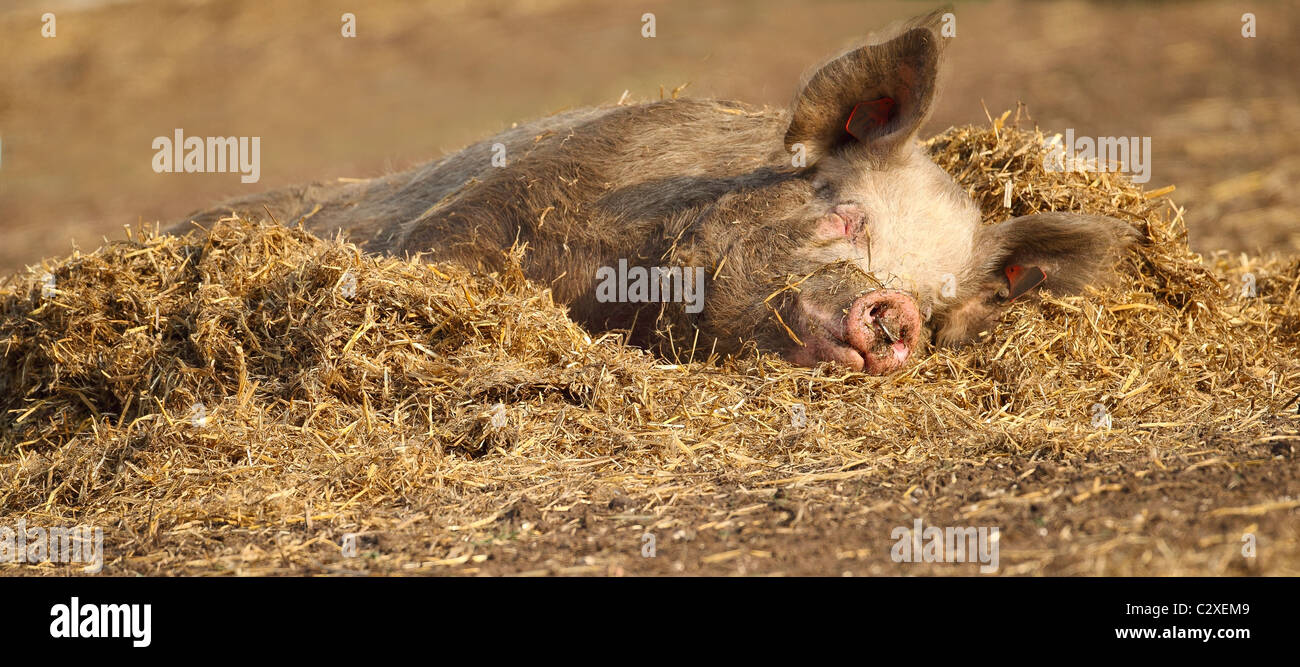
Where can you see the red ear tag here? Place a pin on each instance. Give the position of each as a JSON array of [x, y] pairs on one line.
[[867, 116], [1021, 279]]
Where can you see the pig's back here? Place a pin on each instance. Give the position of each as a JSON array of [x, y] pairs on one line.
[[593, 178]]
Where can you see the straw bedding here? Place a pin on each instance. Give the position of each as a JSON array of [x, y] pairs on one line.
[[239, 400]]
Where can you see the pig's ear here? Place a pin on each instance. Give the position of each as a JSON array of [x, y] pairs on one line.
[[1062, 252], [872, 99]]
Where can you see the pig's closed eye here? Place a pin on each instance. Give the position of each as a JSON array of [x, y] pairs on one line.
[[842, 221]]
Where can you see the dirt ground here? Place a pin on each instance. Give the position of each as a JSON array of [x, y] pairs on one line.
[[78, 113]]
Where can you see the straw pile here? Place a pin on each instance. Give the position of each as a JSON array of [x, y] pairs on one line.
[[241, 400]]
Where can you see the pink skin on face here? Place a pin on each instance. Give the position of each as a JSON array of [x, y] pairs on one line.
[[843, 220]]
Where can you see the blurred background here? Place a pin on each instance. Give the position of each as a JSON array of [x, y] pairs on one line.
[[79, 111]]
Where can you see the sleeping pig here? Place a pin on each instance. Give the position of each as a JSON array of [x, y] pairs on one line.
[[821, 232]]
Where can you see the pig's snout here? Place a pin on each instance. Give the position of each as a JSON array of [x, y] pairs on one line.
[[884, 326], [876, 333]]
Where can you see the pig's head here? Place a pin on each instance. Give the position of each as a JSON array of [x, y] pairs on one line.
[[868, 250]]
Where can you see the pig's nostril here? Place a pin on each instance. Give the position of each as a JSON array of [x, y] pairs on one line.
[[876, 316], [889, 336]]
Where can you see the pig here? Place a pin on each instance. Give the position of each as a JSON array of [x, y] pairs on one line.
[[823, 231]]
